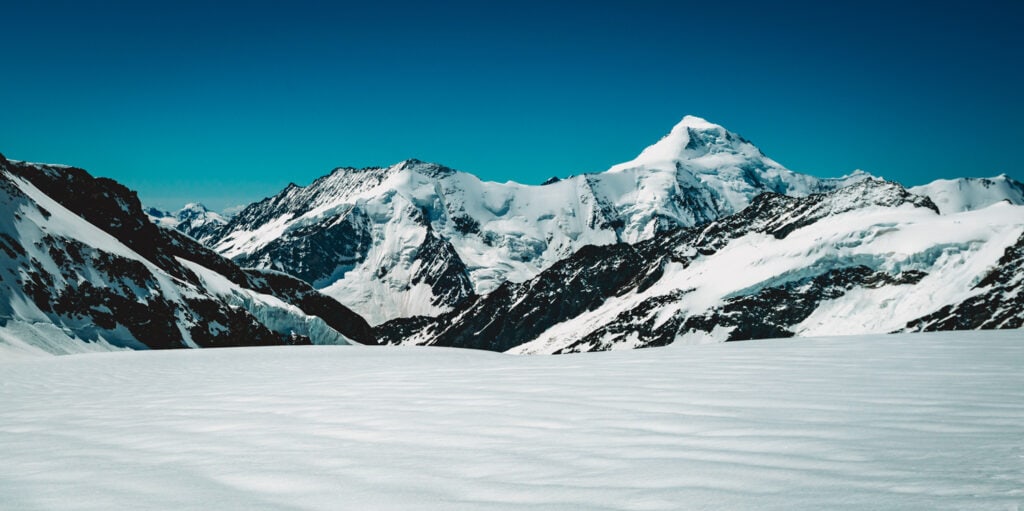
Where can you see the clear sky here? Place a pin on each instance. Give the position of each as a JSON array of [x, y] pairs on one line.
[[226, 102]]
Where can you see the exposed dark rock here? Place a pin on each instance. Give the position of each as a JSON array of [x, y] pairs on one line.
[[316, 252], [442, 269]]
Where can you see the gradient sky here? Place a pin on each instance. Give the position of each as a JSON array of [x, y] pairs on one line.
[[226, 103]]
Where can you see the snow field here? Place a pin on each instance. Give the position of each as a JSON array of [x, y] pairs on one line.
[[932, 421]]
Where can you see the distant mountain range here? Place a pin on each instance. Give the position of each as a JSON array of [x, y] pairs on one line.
[[419, 238], [700, 238], [193, 219]]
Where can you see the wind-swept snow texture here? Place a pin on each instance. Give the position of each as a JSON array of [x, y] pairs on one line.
[[419, 239], [910, 421]]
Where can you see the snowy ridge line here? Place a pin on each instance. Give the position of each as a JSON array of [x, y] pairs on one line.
[[356, 233], [431, 255], [966, 194]]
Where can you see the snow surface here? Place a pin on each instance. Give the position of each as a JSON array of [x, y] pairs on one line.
[[919, 421]]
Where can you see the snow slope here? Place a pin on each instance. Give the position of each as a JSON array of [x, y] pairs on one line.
[[921, 421], [969, 193], [68, 284], [364, 236]]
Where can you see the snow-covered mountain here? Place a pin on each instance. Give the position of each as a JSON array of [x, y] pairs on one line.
[[84, 269], [419, 238], [194, 219], [700, 237], [970, 193], [867, 258]]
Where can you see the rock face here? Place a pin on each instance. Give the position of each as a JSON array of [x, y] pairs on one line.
[[420, 239], [82, 262], [867, 258]]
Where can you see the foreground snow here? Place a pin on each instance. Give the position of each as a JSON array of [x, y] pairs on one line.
[[896, 422]]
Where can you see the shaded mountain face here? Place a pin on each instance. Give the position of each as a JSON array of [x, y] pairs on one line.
[[868, 258], [82, 262], [420, 239]]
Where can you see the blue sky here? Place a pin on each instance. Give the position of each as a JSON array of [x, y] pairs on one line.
[[226, 103]]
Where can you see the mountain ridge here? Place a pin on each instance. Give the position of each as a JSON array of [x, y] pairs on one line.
[[431, 255], [676, 288], [369, 226], [86, 269]]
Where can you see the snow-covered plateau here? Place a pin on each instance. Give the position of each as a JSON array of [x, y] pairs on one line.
[[908, 421]]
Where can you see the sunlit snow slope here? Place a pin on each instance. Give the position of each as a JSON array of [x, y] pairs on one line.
[[82, 269], [966, 194], [921, 421]]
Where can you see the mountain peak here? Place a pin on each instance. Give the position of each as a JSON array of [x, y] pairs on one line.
[[195, 206], [411, 162], [691, 138], [425, 168], [697, 123]]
